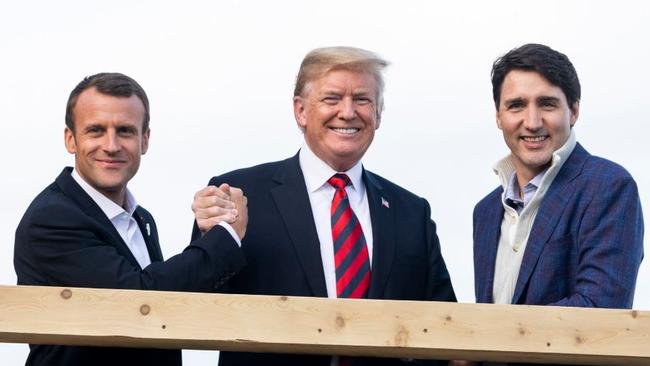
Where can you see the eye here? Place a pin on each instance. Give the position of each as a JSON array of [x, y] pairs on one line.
[[94, 130], [515, 105], [331, 100], [126, 131], [362, 100], [548, 104]]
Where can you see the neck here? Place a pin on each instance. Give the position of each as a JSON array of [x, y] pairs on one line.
[[118, 197]]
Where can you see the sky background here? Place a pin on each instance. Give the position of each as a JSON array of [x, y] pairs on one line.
[[219, 76]]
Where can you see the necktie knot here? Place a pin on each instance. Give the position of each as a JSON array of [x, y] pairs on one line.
[[339, 181]]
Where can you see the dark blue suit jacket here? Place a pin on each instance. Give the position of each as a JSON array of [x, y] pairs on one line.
[[585, 245], [283, 252], [65, 239]]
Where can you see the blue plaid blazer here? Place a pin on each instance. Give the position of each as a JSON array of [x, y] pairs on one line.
[[585, 245]]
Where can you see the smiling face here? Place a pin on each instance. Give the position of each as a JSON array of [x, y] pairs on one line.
[[107, 141], [536, 120], [338, 114]]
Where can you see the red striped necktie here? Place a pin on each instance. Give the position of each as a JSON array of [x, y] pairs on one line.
[[350, 249]]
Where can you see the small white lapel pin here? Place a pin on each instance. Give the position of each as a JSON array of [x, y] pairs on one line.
[[385, 203], [148, 229]]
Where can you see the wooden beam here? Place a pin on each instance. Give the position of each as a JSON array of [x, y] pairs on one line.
[[405, 329]]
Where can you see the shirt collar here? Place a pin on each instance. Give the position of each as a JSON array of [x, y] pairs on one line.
[[317, 172], [110, 208], [512, 192], [504, 168]]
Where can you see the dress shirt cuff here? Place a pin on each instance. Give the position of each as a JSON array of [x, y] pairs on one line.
[[231, 231]]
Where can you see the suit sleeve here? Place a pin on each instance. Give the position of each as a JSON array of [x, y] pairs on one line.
[[610, 247], [59, 245], [439, 285]]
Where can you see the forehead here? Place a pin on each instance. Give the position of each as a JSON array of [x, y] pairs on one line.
[[97, 107], [528, 84], [345, 80]]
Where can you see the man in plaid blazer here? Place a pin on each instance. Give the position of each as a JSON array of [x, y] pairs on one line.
[[565, 227]]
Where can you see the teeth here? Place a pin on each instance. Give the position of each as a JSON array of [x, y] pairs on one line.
[[348, 131], [534, 138]]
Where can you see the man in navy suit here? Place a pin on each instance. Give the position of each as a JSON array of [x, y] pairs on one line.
[[320, 224], [564, 228], [86, 229]]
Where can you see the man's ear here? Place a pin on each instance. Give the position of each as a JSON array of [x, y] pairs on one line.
[[145, 141], [299, 112], [575, 111], [69, 140], [498, 120]]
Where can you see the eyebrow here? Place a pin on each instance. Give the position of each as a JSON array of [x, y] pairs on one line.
[[93, 126], [548, 99], [513, 100]]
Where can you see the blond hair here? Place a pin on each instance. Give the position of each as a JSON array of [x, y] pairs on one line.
[[320, 61]]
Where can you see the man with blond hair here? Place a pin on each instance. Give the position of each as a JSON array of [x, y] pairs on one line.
[[319, 223]]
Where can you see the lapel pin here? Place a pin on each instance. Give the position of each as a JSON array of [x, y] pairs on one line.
[[148, 229], [385, 203]]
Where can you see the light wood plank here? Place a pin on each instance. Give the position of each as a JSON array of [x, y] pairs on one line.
[[405, 329]]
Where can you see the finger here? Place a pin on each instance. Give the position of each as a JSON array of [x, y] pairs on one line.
[[210, 191], [214, 211], [225, 188], [205, 191], [207, 224], [209, 201]]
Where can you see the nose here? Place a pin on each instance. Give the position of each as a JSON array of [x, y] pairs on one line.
[[533, 119], [111, 142], [347, 109]]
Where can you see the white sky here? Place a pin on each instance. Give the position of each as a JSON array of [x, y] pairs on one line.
[[220, 75]]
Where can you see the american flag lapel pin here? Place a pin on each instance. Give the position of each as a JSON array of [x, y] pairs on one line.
[[385, 203]]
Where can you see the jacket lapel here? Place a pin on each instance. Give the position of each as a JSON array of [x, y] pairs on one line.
[[149, 233], [73, 191], [486, 249], [292, 201], [553, 204], [383, 234]]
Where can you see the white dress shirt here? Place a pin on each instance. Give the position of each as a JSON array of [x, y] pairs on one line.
[[316, 173], [122, 219]]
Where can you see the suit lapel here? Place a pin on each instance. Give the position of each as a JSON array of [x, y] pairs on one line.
[[553, 204], [292, 200], [73, 191], [487, 249], [149, 233], [383, 234]]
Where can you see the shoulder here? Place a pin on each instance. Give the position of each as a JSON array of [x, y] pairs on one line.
[[489, 201], [50, 203], [251, 174], [594, 175], [50, 209], [597, 167]]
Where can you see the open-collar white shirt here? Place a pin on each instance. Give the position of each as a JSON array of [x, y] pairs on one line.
[[121, 218], [316, 173]]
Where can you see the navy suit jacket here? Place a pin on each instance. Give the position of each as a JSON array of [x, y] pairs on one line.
[[65, 239], [585, 245], [283, 251]]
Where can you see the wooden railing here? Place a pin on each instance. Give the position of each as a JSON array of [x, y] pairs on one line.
[[405, 329]]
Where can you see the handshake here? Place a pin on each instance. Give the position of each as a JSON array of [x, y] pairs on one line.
[[213, 205]]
